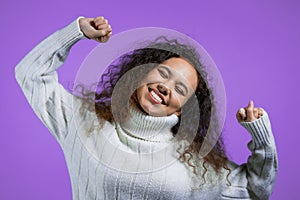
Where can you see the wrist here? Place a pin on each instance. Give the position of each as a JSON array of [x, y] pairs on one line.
[[80, 23]]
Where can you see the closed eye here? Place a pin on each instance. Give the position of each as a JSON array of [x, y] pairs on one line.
[[179, 90], [163, 73]]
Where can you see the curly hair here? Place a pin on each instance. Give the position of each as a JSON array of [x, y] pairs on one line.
[[148, 57]]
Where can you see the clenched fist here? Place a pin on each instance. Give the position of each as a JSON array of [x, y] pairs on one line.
[[96, 28], [249, 113]]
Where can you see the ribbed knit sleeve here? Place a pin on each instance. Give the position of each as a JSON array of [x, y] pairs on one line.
[[258, 175], [36, 74]]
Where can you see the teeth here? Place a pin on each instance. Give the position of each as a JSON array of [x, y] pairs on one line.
[[156, 96]]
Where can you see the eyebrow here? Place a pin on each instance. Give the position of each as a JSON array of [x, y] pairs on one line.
[[169, 72]]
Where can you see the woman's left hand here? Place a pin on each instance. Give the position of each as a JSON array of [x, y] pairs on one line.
[[249, 113]]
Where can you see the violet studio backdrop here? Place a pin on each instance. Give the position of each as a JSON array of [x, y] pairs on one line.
[[255, 45]]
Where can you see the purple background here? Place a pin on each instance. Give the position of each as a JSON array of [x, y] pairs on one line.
[[255, 44]]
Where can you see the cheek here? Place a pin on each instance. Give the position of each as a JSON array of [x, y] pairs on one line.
[[141, 92], [182, 100], [176, 101]]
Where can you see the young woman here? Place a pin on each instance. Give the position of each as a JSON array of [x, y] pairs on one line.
[[127, 141]]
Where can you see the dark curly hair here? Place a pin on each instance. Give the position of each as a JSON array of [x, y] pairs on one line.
[[155, 53]]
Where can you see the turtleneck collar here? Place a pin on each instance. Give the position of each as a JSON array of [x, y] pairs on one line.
[[145, 133], [149, 128]]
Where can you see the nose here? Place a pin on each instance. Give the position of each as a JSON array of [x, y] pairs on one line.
[[164, 89]]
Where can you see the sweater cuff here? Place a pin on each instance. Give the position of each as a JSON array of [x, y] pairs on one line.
[[70, 34], [260, 130]]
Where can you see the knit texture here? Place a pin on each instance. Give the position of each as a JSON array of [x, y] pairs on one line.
[[136, 159]]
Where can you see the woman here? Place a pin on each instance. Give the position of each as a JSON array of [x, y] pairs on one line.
[[139, 151]]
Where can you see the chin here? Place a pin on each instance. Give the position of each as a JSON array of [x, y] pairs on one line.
[[151, 110]]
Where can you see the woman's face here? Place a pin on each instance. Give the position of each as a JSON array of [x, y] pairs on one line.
[[167, 87]]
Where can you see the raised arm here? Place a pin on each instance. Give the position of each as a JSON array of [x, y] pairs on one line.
[[255, 179], [37, 76]]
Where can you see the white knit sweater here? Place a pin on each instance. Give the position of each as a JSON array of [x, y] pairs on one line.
[[130, 161]]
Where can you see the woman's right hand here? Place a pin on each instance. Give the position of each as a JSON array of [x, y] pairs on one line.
[[95, 28]]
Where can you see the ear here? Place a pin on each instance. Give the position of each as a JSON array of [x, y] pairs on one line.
[[178, 112]]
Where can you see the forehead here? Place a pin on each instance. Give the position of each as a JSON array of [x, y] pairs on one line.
[[183, 70]]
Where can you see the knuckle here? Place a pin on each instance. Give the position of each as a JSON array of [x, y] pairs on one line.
[[241, 110], [99, 18]]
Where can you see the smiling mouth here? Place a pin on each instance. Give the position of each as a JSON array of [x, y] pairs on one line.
[[156, 97]]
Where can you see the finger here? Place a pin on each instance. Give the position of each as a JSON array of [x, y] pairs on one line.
[[249, 112], [105, 38], [103, 26], [260, 112], [108, 34], [100, 21], [255, 112], [100, 33], [241, 114], [100, 39], [99, 18]]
